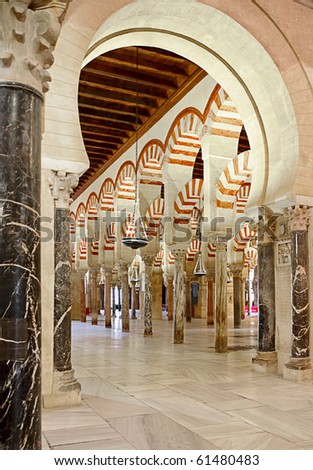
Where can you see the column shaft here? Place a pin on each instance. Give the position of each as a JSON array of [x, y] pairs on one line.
[[82, 298], [125, 299], [237, 298], [170, 298], [20, 323], [107, 302], [221, 299], [134, 301], [94, 302], [148, 260], [210, 314], [188, 299], [179, 296]]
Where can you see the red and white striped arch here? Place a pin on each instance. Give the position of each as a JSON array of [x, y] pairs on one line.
[[192, 250], [233, 177], [92, 207], [211, 250], [125, 180], [150, 163], [154, 215], [226, 121], [184, 139], [242, 197], [159, 259], [171, 258], [83, 250], [106, 195], [251, 257], [109, 238], [242, 238], [186, 200]]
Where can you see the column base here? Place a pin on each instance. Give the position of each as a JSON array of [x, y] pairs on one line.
[[221, 345], [66, 390], [265, 362], [298, 370], [133, 316], [148, 334]]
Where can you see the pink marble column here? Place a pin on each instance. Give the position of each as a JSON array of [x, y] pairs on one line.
[[221, 298], [179, 295], [107, 297]]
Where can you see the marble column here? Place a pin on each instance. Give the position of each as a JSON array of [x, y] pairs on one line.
[[243, 297], [170, 298], [20, 323], [125, 296], [101, 296], [134, 301], [266, 357], [255, 287], [88, 293], [148, 261], [113, 293], [82, 297], [179, 295], [94, 293], [188, 299], [237, 295], [299, 367], [210, 312], [107, 298], [27, 39], [221, 298], [65, 389]]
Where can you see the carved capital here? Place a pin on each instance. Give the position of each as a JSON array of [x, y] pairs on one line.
[[28, 34], [298, 217], [62, 185]]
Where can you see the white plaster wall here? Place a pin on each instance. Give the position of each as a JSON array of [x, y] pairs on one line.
[[47, 282]]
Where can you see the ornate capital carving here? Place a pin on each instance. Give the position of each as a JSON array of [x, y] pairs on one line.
[[28, 33], [298, 217], [148, 259], [62, 185], [179, 255]]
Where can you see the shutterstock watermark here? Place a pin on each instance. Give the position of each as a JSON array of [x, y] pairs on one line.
[[178, 230]]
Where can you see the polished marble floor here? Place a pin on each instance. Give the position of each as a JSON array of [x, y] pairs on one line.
[[147, 393]]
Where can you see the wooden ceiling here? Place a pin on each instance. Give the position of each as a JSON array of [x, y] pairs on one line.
[[113, 86]]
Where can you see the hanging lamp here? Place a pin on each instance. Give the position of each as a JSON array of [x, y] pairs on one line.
[[199, 268], [136, 236]]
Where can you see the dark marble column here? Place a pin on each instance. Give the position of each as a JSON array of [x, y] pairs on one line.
[[179, 295], [82, 298], [299, 367], [243, 297], [134, 301], [66, 389], [170, 298], [210, 313], [255, 287], [27, 40], [107, 303], [113, 292], [221, 298], [188, 299], [266, 356], [125, 298], [20, 320], [237, 294], [94, 303], [101, 295], [148, 261]]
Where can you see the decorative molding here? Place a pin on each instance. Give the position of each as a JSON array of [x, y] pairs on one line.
[[28, 34], [62, 185], [298, 218]]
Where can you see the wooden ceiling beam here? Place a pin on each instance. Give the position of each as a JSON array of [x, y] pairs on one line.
[[97, 121], [96, 69], [115, 140], [99, 126], [117, 96], [105, 106]]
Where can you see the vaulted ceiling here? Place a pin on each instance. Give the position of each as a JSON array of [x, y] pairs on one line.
[[116, 84]]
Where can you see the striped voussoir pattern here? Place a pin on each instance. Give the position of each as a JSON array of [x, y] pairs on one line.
[[186, 200], [154, 215]]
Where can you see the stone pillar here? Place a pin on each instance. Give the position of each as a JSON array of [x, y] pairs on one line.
[[299, 367], [255, 287], [170, 298], [113, 293], [210, 312], [243, 297], [148, 261], [179, 295], [20, 315], [88, 293], [82, 297], [157, 294], [266, 357], [27, 40], [66, 389], [101, 296], [237, 295], [221, 298], [125, 297], [75, 293], [94, 300], [134, 301], [107, 298], [188, 299]]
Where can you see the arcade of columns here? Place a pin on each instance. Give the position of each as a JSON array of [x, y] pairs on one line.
[[88, 239]]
